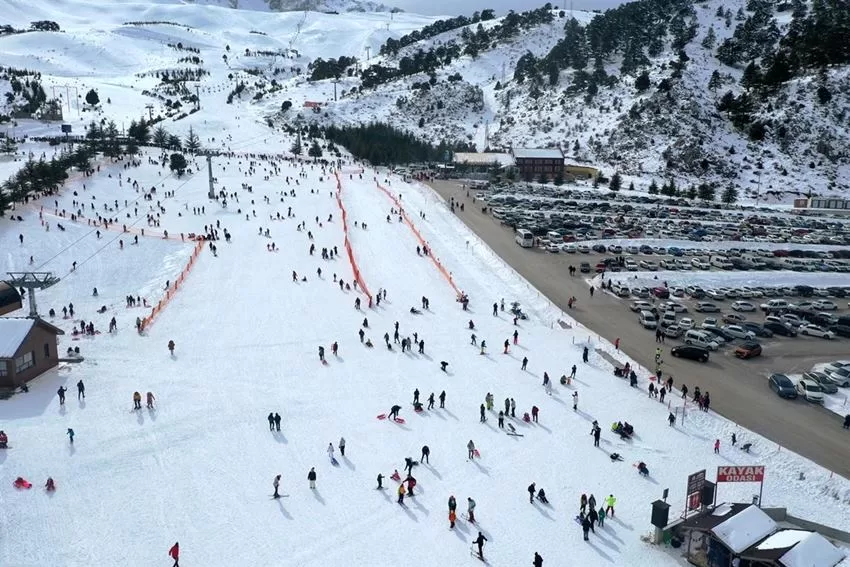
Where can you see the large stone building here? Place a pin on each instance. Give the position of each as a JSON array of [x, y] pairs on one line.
[[533, 163]]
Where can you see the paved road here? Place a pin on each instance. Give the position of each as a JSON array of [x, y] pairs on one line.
[[738, 388]]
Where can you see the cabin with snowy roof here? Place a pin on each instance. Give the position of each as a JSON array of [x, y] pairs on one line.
[[28, 348]]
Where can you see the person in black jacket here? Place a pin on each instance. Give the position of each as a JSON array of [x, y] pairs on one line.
[[585, 526], [479, 541], [271, 422], [311, 476], [426, 455], [277, 421], [538, 561], [531, 490]]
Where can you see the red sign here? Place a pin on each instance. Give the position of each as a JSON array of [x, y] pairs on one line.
[[740, 474]]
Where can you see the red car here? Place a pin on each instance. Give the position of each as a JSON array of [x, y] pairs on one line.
[[661, 292], [748, 350]]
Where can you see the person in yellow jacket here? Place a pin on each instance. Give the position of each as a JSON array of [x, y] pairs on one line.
[[401, 492], [609, 505]]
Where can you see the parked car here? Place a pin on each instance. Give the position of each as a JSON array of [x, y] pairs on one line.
[[810, 391], [675, 307], [841, 376], [706, 307], [759, 330], [827, 385], [780, 329], [738, 332], [661, 292], [815, 331], [686, 323], [748, 350], [743, 306], [647, 320], [733, 318], [782, 385], [719, 334], [708, 322], [700, 339], [840, 330], [673, 331], [638, 306], [715, 294], [585, 267], [583, 249], [824, 305], [691, 352]]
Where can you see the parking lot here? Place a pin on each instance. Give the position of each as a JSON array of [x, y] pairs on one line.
[[738, 387]]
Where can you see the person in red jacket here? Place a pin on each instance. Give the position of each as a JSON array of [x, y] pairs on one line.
[[174, 553]]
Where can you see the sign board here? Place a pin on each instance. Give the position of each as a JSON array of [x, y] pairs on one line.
[[739, 474], [695, 483], [66, 128]]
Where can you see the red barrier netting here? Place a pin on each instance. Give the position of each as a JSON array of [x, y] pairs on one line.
[[358, 276]]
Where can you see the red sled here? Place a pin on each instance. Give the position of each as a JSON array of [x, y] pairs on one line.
[[476, 453], [382, 416], [22, 483], [399, 420], [419, 410], [396, 477]]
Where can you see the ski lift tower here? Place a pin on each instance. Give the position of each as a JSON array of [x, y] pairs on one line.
[[32, 281]]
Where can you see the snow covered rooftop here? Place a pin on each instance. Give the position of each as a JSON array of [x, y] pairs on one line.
[[744, 529], [813, 550], [484, 158], [533, 153], [12, 334]]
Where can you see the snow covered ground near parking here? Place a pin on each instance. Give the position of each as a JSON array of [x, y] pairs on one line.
[[713, 245], [246, 338], [720, 278]]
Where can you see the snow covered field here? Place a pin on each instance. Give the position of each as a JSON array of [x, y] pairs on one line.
[[247, 339], [773, 278]]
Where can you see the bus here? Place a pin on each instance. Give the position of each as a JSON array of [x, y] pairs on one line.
[[524, 238]]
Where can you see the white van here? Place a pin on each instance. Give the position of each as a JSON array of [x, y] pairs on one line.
[[524, 238], [647, 320], [555, 237], [721, 262], [700, 339], [774, 305]]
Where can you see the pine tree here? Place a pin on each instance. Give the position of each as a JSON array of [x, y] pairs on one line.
[[8, 145], [160, 137], [315, 150], [193, 142], [616, 182], [92, 98], [632, 186], [296, 146], [710, 38], [751, 77], [174, 142], [715, 82], [730, 195], [111, 147], [692, 193], [642, 82], [177, 163], [706, 192], [653, 188]]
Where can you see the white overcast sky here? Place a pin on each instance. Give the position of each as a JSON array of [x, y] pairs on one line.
[[467, 7]]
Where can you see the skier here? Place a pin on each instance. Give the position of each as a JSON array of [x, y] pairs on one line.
[[394, 412], [311, 476], [150, 399], [276, 484], [531, 490], [524, 362], [538, 561], [81, 390], [609, 505], [426, 455], [479, 541], [471, 447], [61, 392], [271, 422], [71, 434], [506, 346], [470, 510], [443, 399], [401, 493], [171, 347], [174, 553], [342, 446], [277, 421], [137, 400]]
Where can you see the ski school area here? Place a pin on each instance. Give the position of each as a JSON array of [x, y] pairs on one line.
[[272, 364]]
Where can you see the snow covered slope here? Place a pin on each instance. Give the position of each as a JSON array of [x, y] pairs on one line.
[[300, 5]]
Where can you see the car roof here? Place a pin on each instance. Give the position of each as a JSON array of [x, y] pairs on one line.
[[780, 377]]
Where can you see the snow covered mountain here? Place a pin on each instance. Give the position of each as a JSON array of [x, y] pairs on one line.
[[339, 6]]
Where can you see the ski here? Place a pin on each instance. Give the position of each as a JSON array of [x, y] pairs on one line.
[[279, 496], [515, 434]]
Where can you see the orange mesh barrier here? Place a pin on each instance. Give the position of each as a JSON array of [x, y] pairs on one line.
[[358, 276], [421, 240], [173, 288]]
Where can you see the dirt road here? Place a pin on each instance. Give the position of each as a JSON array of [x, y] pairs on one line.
[[738, 388]]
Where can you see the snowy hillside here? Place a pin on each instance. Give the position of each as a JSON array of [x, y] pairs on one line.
[[300, 5]]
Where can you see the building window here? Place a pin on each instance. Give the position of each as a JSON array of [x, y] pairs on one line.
[[4, 368], [24, 361], [46, 350]]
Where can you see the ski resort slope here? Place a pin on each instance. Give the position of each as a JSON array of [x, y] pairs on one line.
[[198, 469]]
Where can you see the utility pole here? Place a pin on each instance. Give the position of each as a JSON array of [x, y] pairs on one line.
[[150, 111], [197, 97], [368, 51], [335, 81], [212, 183]]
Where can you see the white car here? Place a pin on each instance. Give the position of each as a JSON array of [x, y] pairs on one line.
[[569, 248], [639, 306], [791, 319], [708, 322], [583, 248], [675, 307], [700, 264], [715, 294], [648, 265], [815, 331], [743, 306], [824, 305], [739, 332], [810, 391], [631, 265], [686, 323]]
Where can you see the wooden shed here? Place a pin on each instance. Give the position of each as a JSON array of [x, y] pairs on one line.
[[28, 347]]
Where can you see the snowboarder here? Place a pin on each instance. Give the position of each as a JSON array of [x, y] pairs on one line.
[[470, 510], [276, 484], [271, 422], [150, 399], [479, 541], [426, 455], [394, 411], [171, 347], [81, 390], [609, 505], [311, 476], [174, 553], [401, 493], [531, 490], [443, 399], [137, 400], [716, 446], [524, 362], [61, 392], [71, 434], [471, 447], [277, 421], [444, 365], [538, 561]]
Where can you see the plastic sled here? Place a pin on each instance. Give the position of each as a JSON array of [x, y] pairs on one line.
[[382, 416], [334, 462], [476, 453], [399, 420], [22, 483], [395, 477]]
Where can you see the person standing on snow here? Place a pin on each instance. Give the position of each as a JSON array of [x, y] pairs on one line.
[[271, 422], [401, 493], [470, 510], [174, 553], [585, 525], [380, 481], [583, 503], [311, 476], [538, 561], [442, 399], [61, 393], [331, 451], [501, 419], [575, 400], [591, 502], [81, 390], [609, 505], [431, 401], [479, 541], [342, 446], [483, 418], [716, 446], [171, 347], [277, 421], [584, 355], [513, 407], [524, 362], [471, 447], [531, 490], [601, 515], [276, 484], [150, 399], [426, 455], [137, 400]]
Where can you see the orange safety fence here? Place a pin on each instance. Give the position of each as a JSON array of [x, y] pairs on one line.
[[358, 276], [173, 288], [422, 241]]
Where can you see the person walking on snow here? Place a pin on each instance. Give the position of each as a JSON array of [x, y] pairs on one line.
[[321, 353], [470, 510], [716, 446], [331, 451], [137, 400], [471, 447], [401, 492], [538, 561], [534, 411], [582, 503], [61, 392], [531, 490], [150, 399], [479, 541], [174, 553], [277, 421], [584, 355], [671, 419], [311, 476], [734, 439], [585, 522], [271, 421], [524, 362], [71, 435], [431, 401], [442, 399], [276, 484], [501, 419], [380, 481], [506, 346], [483, 418], [609, 505], [171, 347], [575, 400], [81, 390]]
